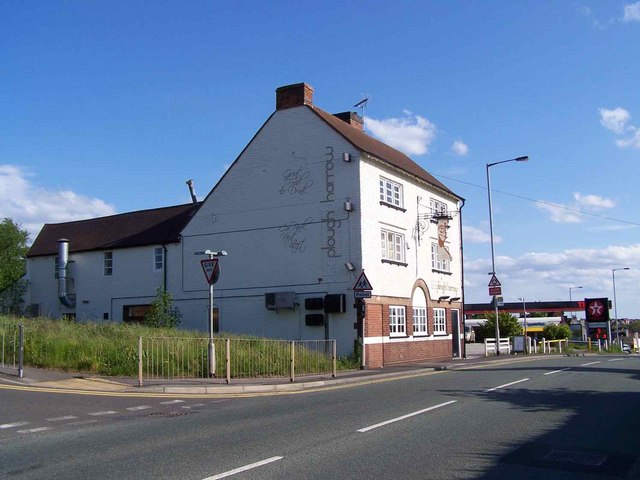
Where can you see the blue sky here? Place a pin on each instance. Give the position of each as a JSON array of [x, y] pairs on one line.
[[110, 107]]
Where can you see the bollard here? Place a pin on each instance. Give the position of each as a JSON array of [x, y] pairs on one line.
[[139, 361], [228, 349], [21, 351]]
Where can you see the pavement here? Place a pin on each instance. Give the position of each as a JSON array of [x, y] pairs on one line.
[[69, 382]]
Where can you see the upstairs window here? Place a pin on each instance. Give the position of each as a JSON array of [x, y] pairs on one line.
[[390, 192], [108, 264], [438, 207], [392, 244], [439, 259], [158, 258]]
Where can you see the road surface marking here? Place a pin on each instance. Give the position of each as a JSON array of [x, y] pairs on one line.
[[189, 407], [106, 412], [60, 419], [590, 363], [506, 385], [558, 371], [11, 425], [616, 360], [397, 419], [139, 407], [244, 469], [170, 402], [34, 430]]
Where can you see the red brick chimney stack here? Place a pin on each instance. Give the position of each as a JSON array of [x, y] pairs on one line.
[[294, 96]]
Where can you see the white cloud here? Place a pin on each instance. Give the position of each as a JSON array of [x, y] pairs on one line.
[[412, 134], [632, 12], [460, 148], [560, 214], [540, 276], [593, 202], [617, 120], [614, 120], [32, 206], [475, 235], [632, 142]]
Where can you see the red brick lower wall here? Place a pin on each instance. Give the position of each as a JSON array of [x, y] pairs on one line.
[[398, 351]]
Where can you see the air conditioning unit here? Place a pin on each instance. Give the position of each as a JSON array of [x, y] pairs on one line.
[[280, 300]]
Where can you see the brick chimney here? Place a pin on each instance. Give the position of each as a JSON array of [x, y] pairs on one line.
[[352, 118], [294, 96]]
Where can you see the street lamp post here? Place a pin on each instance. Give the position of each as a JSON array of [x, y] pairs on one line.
[[573, 315], [615, 303], [493, 255]]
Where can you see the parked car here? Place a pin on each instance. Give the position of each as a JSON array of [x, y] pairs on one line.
[[469, 334]]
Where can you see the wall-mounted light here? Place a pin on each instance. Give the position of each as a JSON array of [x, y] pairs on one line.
[[454, 299], [348, 206], [443, 297], [349, 266], [346, 157]]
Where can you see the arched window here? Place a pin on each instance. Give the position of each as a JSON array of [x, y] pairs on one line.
[[419, 302]]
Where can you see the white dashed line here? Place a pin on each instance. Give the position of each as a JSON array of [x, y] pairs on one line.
[[12, 425], [189, 407], [244, 469], [171, 402], [61, 419], [106, 412], [590, 363], [35, 430], [408, 415], [616, 360], [139, 407], [557, 371], [506, 385]]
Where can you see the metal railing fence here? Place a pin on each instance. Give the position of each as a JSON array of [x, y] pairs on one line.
[[12, 347], [173, 358]]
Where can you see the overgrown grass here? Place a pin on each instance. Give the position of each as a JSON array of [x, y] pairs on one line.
[[108, 348]]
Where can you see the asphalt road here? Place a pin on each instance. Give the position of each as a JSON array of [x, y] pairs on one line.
[[554, 418]]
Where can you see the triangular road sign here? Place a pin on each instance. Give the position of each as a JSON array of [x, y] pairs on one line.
[[494, 282], [211, 270], [362, 283]]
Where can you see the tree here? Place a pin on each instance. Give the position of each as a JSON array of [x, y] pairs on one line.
[[509, 325], [162, 313], [556, 331], [13, 248]]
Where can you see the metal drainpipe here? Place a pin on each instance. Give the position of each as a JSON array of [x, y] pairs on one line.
[[164, 268]]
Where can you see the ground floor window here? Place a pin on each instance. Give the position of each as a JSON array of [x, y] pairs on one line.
[[439, 321], [397, 321], [419, 320], [134, 313]]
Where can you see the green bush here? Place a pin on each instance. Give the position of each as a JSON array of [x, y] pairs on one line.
[[556, 331]]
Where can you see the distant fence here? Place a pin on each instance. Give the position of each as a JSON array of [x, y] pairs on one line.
[[490, 346], [12, 347], [173, 358]]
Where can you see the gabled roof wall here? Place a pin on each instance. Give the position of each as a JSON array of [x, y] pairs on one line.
[[350, 127]]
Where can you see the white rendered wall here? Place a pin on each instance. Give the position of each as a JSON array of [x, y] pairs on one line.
[[279, 213]]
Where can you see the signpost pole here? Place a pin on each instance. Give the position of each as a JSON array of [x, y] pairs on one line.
[[212, 347]]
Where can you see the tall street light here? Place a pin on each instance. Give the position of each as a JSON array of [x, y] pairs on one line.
[[615, 304], [493, 255], [573, 314]]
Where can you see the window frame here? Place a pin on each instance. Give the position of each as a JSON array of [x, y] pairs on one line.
[[434, 204], [107, 263], [397, 321], [398, 248], [420, 325], [391, 193], [438, 264], [157, 250], [439, 321]]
